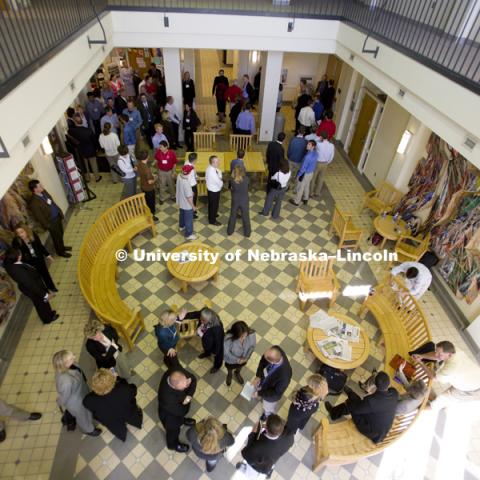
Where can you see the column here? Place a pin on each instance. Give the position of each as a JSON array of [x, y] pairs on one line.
[[235, 65], [189, 61], [269, 94], [173, 79], [243, 65]]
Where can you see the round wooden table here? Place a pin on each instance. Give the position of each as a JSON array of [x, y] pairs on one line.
[[389, 229], [193, 271], [360, 349]]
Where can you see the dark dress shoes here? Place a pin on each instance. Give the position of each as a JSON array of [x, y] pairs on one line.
[[204, 355], [155, 219], [65, 255], [293, 202], [3, 435], [214, 370], [94, 433], [181, 448], [328, 407], [67, 247], [189, 422], [217, 224], [35, 416]]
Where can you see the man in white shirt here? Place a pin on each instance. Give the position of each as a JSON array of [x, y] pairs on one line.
[[175, 119], [417, 277], [192, 176], [306, 117], [326, 151], [214, 182]]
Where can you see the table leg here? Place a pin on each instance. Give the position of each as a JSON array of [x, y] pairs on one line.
[[184, 286], [215, 277], [383, 242]]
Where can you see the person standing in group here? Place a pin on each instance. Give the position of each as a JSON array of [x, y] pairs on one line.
[[116, 84], [240, 202], [185, 203], [107, 93], [175, 119], [192, 158], [72, 388], [326, 152], [322, 85], [328, 96], [246, 122], [280, 96], [188, 90], [257, 79], [306, 117], [111, 118], [10, 411], [277, 189], [95, 111], [34, 253], [168, 337], [305, 174], [219, 89], [102, 344], [190, 124], [214, 183], [166, 161], [238, 161], [110, 142], [129, 134], [318, 110], [126, 165], [305, 402], [30, 283], [175, 393], [327, 125], [146, 107], [81, 113], [302, 101], [48, 215], [238, 346], [133, 114], [209, 439], [113, 403], [296, 151], [235, 111], [275, 154], [86, 144], [247, 90], [272, 379], [232, 92], [120, 102], [210, 330], [158, 137], [147, 181], [265, 446]]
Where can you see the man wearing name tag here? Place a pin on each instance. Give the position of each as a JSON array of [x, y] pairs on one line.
[[272, 379]]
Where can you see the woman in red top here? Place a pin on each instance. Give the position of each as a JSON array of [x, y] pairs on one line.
[[327, 125]]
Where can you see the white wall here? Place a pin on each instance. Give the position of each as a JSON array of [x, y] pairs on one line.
[[36, 104], [392, 124]]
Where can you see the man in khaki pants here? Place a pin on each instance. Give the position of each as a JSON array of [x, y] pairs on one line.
[[166, 161], [305, 174], [326, 151], [7, 410]]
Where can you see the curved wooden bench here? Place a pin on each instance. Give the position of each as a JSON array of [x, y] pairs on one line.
[[404, 327], [97, 264]]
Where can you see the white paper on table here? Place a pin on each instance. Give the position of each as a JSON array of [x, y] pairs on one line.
[[334, 347], [248, 391], [323, 321]]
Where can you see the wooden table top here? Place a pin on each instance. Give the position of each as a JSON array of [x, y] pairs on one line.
[[195, 271], [389, 229], [202, 161], [253, 161], [360, 349]]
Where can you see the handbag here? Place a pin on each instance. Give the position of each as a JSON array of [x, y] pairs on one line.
[[274, 184], [115, 168], [336, 379]]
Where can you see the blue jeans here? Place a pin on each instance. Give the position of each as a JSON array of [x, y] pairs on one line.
[[186, 220]]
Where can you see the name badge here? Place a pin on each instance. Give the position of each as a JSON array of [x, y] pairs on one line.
[[265, 372], [187, 86], [49, 202], [164, 162], [187, 120]]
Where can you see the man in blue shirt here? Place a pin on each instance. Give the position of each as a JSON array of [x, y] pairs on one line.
[[318, 109], [94, 110], [238, 161], [133, 114], [246, 122], [129, 134], [305, 174], [110, 118], [296, 151]]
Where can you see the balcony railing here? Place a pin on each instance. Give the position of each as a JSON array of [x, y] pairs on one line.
[[442, 34]]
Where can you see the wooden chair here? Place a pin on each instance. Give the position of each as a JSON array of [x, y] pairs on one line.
[[204, 141], [345, 229], [382, 199], [201, 187], [411, 249], [240, 142], [317, 279]]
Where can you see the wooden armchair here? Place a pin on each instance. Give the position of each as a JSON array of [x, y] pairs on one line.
[[201, 187], [345, 230], [411, 249], [240, 142], [204, 141], [317, 279], [382, 199]]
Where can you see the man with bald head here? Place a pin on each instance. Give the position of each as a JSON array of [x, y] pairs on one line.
[[174, 396]]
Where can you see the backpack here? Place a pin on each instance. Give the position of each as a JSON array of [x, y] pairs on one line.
[[336, 379]]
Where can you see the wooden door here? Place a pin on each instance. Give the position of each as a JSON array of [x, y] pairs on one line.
[[334, 69], [362, 128]]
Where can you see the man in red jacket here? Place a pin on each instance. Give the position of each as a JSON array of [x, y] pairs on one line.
[[327, 125], [166, 161], [232, 92]]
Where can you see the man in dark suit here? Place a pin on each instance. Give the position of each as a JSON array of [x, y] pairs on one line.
[[30, 283], [48, 214], [174, 396], [272, 378], [275, 154], [265, 445], [120, 101], [373, 415], [146, 108], [220, 85]]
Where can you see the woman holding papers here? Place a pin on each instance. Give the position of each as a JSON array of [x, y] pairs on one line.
[[238, 347], [305, 402]]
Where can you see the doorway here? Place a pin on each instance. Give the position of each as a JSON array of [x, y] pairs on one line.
[[362, 128]]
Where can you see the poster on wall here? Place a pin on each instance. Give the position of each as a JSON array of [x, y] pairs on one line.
[[140, 62]]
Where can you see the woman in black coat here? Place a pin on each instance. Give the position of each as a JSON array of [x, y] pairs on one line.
[[188, 89], [34, 253], [190, 124], [305, 402], [240, 203], [210, 330], [102, 344], [113, 403]]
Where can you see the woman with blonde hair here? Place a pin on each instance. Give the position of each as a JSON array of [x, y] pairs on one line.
[[72, 388], [113, 403], [305, 402], [240, 201], [209, 439], [167, 337], [103, 345]]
